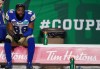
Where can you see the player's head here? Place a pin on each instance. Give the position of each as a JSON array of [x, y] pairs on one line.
[[20, 10], [1, 3]]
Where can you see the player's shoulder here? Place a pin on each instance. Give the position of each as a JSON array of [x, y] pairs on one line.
[[29, 12], [10, 14], [11, 11]]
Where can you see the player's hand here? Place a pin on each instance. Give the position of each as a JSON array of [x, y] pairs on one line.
[[16, 38], [21, 41]]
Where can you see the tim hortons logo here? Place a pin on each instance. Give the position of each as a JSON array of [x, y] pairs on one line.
[[53, 55], [17, 56]]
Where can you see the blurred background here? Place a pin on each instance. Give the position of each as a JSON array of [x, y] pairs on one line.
[[51, 10], [52, 13]]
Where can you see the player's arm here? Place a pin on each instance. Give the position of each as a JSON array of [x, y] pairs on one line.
[[9, 24], [27, 33], [30, 30], [11, 32], [30, 26], [10, 28]]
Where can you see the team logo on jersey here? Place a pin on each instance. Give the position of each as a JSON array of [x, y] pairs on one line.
[[20, 23], [32, 17], [7, 17], [25, 22]]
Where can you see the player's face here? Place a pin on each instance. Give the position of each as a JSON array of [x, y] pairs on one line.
[[1, 3], [20, 11]]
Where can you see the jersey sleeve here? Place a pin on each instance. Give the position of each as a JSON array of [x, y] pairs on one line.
[[32, 16], [9, 15]]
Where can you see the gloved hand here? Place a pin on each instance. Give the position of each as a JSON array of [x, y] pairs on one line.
[[16, 38], [21, 41]]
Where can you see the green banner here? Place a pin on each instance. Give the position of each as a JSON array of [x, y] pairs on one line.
[[79, 18]]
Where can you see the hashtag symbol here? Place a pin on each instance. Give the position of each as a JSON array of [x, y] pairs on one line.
[[45, 24]]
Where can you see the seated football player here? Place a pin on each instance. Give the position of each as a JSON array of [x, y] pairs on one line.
[[2, 25], [20, 29]]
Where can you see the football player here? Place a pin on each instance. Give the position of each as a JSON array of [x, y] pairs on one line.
[[20, 24], [2, 25]]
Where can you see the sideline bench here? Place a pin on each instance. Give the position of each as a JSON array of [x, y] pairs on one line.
[[56, 54]]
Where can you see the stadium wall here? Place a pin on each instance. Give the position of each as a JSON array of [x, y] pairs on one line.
[[79, 18]]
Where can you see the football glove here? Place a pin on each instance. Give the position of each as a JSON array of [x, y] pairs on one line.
[[21, 41], [16, 38]]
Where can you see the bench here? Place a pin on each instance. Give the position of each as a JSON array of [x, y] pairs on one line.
[[56, 54]]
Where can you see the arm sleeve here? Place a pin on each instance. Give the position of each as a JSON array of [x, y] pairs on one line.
[[28, 32]]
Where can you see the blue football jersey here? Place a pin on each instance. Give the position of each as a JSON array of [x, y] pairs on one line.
[[1, 17], [20, 26]]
